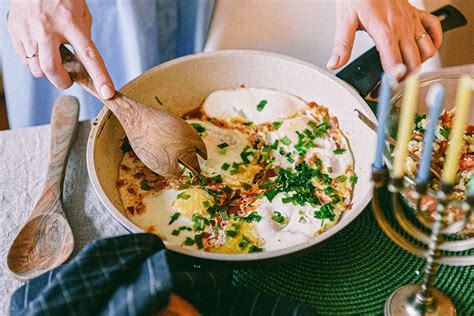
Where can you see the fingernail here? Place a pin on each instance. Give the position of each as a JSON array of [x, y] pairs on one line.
[[333, 61], [106, 91]]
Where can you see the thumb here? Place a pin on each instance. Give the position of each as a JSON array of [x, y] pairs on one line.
[[343, 43]]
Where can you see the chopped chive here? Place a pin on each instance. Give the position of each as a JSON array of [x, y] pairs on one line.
[[185, 228], [126, 147], [247, 186], [223, 145], [223, 214], [329, 170], [285, 140], [353, 179], [267, 185], [329, 190], [174, 217], [216, 228], [339, 151], [188, 242], [225, 166], [244, 242], [222, 151], [198, 127], [276, 125], [341, 179], [175, 232], [145, 186], [277, 217], [248, 123], [183, 196], [230, 233], [254, 248], [206, 204], [217, 178], [261, 105]]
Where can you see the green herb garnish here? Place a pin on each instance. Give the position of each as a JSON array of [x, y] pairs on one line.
[[261, 105], [277, 217], [225, 166], [223, 145], [254, 248], [198, 127], [276, 125], [339, 151], [341, 179], [183, 196], [126, 147], [353, 179], [188, 242], [174, 217], [445, 131], [217, 178], [145, 186], [175, 232], [285, 140], [326, 211], [230, 233], [248, 123]]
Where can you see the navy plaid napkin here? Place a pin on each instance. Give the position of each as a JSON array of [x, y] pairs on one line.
[[131, 275]]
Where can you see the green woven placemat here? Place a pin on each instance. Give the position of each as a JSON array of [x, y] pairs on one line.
[[355, 271]]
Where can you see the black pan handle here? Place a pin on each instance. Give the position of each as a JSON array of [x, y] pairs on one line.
[[364, 73]]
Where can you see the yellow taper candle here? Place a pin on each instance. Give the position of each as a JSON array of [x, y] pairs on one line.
[[456, 140], [405, 125]]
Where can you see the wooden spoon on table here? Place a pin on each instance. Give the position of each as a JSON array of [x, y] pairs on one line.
[[46, 240], [159, 138]]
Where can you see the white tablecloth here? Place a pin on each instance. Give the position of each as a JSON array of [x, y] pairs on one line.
[[23, 158]]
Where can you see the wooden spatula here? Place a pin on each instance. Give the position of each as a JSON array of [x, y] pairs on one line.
[[159, 138]]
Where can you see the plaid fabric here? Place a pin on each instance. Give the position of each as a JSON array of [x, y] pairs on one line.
[[131, 275]]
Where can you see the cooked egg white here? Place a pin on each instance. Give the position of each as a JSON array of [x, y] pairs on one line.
[[235, 143], [242, 103], [299, 225]]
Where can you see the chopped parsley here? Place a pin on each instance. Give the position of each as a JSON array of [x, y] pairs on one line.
[[261, 105], [277, 217], [126, 147], [174, 217], [326, 211], [339, 151], [198, 127], [145, 186], [183, 196]]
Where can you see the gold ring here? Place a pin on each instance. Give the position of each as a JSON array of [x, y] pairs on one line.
[[31, 56], [422, 35]]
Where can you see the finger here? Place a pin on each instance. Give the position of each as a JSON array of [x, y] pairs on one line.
[[87, 21], [87, 53], [31, 55], [51, 64], [343, 42], [410, 54], [425, 44], [432, 25], [17, 45], [388, 49]]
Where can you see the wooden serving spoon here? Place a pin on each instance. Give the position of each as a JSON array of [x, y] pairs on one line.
[[46, 240], [159, 138]]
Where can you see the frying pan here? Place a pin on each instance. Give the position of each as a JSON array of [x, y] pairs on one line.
[[182, 84]]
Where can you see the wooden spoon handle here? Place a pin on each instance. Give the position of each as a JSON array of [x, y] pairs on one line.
[[78, 72], [63, 127]]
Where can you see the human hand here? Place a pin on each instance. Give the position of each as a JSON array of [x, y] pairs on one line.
[[402, 33], [38, 28]]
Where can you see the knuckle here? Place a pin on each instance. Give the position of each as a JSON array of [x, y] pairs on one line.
[[66, 14], [88, 52]]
